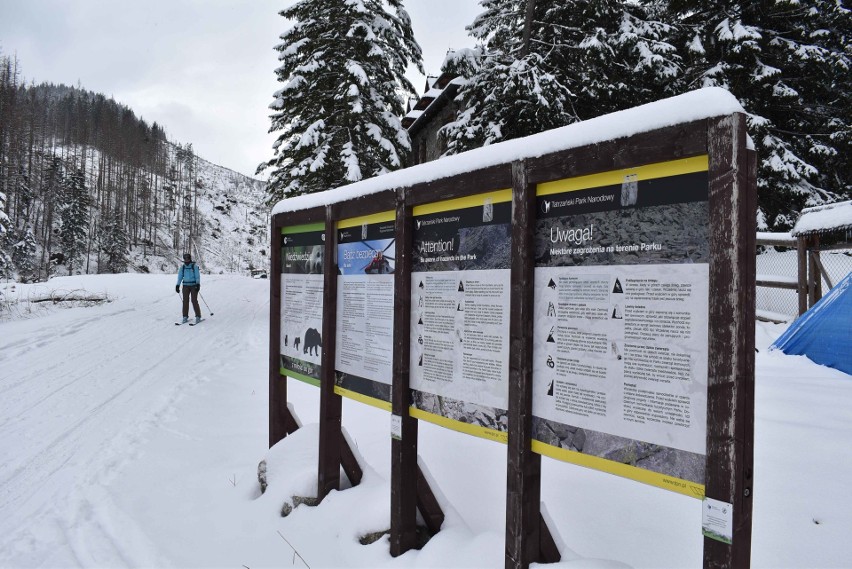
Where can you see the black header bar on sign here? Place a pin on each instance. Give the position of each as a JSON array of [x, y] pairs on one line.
[[683, 188], [449, 221], [303, 239], [367, 232]]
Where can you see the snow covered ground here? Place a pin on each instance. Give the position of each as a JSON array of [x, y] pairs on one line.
[[126, 441]]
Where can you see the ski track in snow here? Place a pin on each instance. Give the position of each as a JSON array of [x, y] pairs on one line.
[[69, 423]]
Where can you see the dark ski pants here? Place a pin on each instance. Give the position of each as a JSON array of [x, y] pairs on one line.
[[193, 291]]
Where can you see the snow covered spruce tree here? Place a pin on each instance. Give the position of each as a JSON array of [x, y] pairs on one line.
[[113, 242], [337, 114], [788, 62], [74, 215], [611, 54], [24, 249], [5, 258], [510, 89], [548, 63]]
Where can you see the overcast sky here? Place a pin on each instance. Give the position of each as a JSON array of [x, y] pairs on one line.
[[204, 69]]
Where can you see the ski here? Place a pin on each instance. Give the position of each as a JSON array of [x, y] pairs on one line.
[[179, 323], [194, 323]]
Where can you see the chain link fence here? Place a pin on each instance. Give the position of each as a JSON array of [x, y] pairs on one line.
[[780, 265], [778, 274]]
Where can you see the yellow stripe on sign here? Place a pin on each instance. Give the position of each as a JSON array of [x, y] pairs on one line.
[[362, 398], [616, 177], [368, 219], [685, 487], [467, 428], [497, 196]]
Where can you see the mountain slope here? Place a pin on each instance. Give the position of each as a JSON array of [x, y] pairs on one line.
[[234, 232], [89, 187]]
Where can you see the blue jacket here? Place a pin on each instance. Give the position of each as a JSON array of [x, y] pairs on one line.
[[189, 274]]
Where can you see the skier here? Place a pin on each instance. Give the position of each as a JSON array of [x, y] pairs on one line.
[[190, 276]]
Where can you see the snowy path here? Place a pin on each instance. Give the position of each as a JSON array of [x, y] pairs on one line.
[[81, 390], [126, 441]]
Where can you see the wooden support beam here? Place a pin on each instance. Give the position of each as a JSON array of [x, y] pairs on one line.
[[278, 412], [465, 184], [802, 271], [428, 504], [404, 469], [814, 278], [777, 284], [523, 493], [670, 143], [349, 463], [730, 396], [816, 259], [547, 550], [331, 406], [290, 423], [791, 242]]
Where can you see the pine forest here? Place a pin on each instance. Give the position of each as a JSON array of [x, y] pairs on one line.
[[540, 64], [86, 186]]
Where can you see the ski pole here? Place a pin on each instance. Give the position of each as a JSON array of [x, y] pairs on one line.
[[205, 303]]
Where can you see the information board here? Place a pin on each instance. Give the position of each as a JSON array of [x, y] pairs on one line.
[[366, 260], [460, 289], [621, 322], [302, 253]]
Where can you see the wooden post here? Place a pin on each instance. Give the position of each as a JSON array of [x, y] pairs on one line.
[[331, 406], [802, 261], [523, 495], [404, 469], [278, 412], [528, 539], [814, 275], [730, 397]]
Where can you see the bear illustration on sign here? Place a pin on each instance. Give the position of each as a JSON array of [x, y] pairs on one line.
[[313, 342]]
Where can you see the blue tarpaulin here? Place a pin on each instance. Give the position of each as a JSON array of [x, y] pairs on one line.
[[824, 333]]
